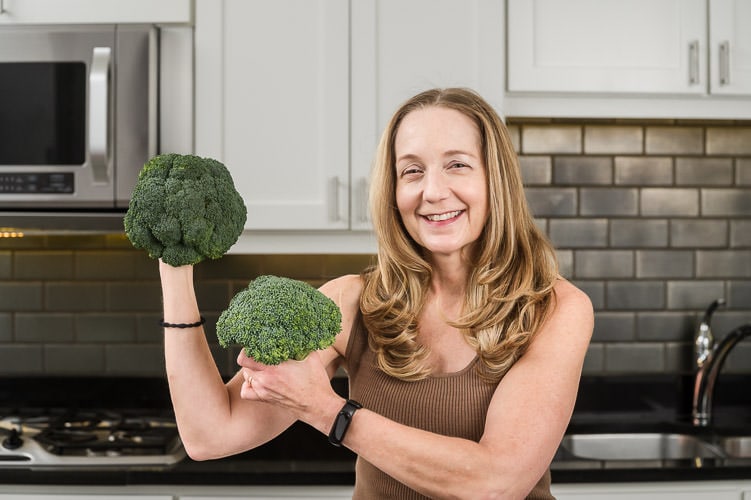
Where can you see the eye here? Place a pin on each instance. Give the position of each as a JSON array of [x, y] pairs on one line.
[[458, 165], [411, 171]]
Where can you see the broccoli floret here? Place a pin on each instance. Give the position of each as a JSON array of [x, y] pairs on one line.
[[276, 319], [184, 209]]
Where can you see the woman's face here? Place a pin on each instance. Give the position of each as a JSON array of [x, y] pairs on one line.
[[441, 183]]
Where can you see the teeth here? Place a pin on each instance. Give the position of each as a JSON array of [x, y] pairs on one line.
[[446, 216]]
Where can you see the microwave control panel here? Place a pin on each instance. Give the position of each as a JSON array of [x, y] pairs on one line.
[[37, 183]]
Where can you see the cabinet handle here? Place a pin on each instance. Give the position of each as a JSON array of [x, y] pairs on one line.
[[2, 7], [693, 63], [99, 117], [334, 214], [363, 199], [725, 63]]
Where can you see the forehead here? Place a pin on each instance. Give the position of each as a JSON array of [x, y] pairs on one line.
[[437, 127]]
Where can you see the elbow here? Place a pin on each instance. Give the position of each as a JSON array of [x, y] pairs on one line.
[[198, 453]]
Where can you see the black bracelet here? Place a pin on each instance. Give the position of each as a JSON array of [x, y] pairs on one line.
[[182, 325], [343, 419]]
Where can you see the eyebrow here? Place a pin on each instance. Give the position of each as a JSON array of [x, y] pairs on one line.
[[451, 152]]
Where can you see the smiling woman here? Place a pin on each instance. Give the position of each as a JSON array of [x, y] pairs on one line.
[[462, 344]]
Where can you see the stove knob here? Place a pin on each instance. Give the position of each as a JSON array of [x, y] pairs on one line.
[[13, 441]]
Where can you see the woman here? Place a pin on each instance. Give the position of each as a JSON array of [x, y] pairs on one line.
[[463, 345]]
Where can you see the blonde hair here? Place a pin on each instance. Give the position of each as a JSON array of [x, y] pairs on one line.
[[510, 288]]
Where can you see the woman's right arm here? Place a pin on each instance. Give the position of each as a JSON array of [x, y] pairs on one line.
[[213, 420]]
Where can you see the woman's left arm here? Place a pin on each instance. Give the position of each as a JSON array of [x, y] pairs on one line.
[[526, 420]]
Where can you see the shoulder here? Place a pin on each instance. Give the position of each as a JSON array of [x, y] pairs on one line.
[[345, 292], [570, 321]]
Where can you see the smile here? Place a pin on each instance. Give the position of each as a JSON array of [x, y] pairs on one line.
[[444, 216]]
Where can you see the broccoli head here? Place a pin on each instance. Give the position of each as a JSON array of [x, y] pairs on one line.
[[276, 319], [184, 209]]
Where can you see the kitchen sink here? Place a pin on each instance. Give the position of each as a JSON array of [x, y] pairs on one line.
[[643, 446], [736, 446]]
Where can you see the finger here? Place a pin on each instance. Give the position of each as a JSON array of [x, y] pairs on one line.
[[248, 362]]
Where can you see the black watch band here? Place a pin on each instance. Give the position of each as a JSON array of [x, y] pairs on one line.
[[343, 419]]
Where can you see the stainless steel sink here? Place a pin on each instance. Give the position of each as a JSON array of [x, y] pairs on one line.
[[736, 446], [641, 446]]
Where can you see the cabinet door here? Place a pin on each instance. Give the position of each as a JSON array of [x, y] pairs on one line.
[[639, 46], [401, 47], [272, 103], [94, 11], [730, 47]]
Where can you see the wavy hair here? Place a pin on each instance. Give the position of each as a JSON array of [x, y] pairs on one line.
[[510, 287]]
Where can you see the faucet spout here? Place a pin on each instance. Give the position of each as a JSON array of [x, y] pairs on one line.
[[706, 376]]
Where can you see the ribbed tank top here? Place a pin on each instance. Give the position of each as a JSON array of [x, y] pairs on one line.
[[452, 404]]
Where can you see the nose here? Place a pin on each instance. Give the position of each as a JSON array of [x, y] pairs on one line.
[[435, 187]]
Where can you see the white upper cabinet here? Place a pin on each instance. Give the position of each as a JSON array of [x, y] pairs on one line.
[[730, 47], [639, 46], [400, 48], [94, 11], [272, 103]]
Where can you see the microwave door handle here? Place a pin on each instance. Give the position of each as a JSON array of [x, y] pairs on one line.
[[99, 119]]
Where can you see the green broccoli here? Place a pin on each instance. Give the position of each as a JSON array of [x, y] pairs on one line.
[[184, 208], [276, 319]]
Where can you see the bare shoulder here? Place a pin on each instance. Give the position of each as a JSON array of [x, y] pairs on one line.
[[345, 292], [572, 318]]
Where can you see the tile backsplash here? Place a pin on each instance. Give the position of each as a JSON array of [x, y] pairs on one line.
[[652, 219]]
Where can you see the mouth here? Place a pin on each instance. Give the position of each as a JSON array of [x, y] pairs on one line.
[[444, 216]]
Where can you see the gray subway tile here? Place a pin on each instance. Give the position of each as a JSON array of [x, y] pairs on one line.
[[666, 202], [726, 202], [638, 233], [565, 262], [614, 327], [740, 233], [739, 294], [46, 265], [643, 170], [73, 359], [44, 327], [698, 233], [635, 358], [704, 171], [134, 359], [609, 201], [674, 140], [665, 326], [636, 295], [613, 139], [582, 170], [603, 264], [515, 136], [729, 141], [579, 233], [74, 296], [105, 327], [679, 357], [213, 295], [739, 359], [723, 263], [6, 265], [551, 139], [743, 171], [664, 264], [536, 170], [20, 296], [134, 296], [21, 359], [551, 202], [6, 327], [105, 265], [693, 295]]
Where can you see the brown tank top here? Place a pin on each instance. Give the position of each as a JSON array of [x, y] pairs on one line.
[[453, 404]]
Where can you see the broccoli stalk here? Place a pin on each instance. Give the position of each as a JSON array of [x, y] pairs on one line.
[[184, 209], [276, 319]]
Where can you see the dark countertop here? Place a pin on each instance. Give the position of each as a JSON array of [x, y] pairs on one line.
[[302, 456]]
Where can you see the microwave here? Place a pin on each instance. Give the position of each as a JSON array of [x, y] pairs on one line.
[[79, 118]]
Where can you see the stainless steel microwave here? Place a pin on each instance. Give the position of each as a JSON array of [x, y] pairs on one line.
[[78, 115]]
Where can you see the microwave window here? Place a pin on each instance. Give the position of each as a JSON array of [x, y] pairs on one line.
[[42, 113]]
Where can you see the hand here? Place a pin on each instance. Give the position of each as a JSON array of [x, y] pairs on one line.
[[302, 387]]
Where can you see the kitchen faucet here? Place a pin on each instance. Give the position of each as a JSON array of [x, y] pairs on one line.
[[709, 357]]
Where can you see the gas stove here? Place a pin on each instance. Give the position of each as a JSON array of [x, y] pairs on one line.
[[63, 438]]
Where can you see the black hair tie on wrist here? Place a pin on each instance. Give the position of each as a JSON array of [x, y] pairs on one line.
[[182, 325]]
